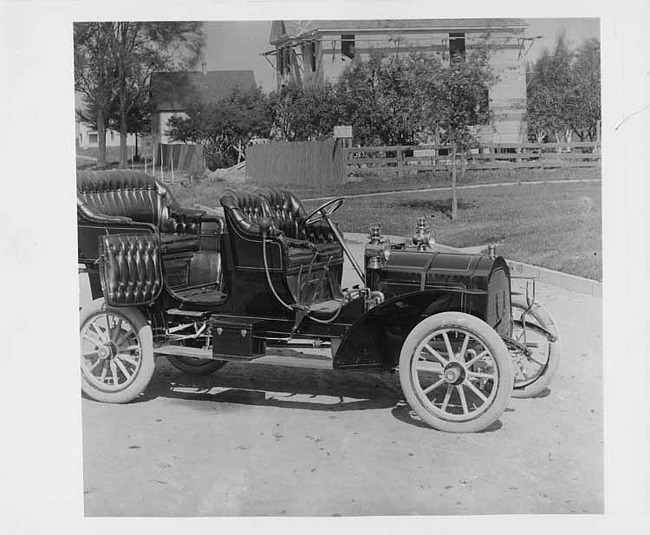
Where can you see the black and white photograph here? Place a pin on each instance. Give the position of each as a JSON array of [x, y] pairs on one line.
[[342, 267]]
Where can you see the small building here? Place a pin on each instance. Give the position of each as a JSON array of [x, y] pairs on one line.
[[87, 137], [315, 51], [171, 92]]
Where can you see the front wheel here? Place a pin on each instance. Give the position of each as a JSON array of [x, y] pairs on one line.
[[117, 358], [456, 372]]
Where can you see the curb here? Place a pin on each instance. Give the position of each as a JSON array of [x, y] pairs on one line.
[[558, 279]]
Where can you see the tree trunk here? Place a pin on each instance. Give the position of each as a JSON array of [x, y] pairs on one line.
[[124, 156], [101, 138], [454, 193], [121, 77]]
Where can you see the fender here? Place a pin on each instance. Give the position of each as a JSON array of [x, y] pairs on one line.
[[375, 339]]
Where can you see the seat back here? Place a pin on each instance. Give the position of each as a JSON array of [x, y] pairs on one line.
[[243, 211], [286, 211], [123, 193], [288, 215]]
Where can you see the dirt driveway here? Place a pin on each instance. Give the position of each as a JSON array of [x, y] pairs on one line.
[[263, 440]]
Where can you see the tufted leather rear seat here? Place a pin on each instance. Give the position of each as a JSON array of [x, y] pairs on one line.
[[116, 196]]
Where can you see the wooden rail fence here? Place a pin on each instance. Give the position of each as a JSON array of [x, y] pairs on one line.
[[408, 159]]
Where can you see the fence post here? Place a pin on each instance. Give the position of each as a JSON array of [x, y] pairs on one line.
[[399, 155], [171, 159], [161, 163], [454, 192]]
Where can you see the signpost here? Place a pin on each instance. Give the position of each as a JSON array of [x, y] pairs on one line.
[[344, 132]]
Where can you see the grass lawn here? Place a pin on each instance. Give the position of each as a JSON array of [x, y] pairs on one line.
[[441, 179], [557, 226], [208, 192]]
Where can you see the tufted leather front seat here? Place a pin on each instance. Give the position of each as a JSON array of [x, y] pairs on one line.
[[123, 197], [288, 215], [243, 211]]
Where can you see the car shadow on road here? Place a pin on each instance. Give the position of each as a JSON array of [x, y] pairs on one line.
[[403, 412], [284, 387], [274, 386]]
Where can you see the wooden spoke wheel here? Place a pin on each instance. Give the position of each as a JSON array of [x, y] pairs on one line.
[[117, 358], [456, 372]]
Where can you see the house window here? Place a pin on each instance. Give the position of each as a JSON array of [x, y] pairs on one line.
[[347, 45], [93, 139], [112, 136], [457, 46]]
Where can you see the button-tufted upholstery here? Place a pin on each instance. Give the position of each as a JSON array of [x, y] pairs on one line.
[[243, 212], [117, 196], [288, 215], [131, 267]]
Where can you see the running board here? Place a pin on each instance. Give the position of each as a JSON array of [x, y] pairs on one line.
[[183, 351], [319, 358]]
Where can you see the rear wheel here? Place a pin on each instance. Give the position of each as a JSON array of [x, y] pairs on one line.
[[117, 359], [456, 372], [196, 366], [535, 367]]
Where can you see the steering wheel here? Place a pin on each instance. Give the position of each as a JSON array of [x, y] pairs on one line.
[[325, 209]]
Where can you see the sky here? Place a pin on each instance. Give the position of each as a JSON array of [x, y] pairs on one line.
[[239, 45]]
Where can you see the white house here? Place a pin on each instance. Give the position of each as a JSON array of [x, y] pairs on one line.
[[87, 137]]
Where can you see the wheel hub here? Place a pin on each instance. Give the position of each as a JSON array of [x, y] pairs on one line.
[[106, 352], [454, 373]]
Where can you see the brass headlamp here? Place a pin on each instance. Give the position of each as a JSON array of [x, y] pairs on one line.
[[377, 249], [423, 237]]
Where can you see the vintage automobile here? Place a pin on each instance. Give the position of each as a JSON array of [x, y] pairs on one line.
[[263, 281]]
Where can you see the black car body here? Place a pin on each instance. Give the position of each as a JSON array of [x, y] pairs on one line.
[[265, 278]]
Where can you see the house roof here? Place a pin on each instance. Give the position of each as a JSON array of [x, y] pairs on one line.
[[291, 29], [171, 91]]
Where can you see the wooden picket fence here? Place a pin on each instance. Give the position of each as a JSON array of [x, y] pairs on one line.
[[403, 160]]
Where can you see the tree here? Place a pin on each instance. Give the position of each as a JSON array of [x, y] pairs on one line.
[[138, 118], [224, 127], [94, 77], [114, 62], [586, 76], [455, 98], [564, 93], [140, 48], [380, 98], [303, 114]]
